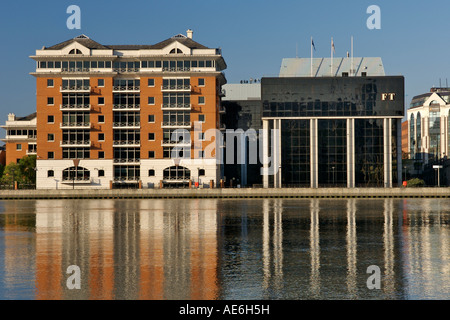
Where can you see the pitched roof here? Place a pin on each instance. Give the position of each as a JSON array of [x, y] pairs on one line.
[[91, 44], [27, 118], [81, 39]]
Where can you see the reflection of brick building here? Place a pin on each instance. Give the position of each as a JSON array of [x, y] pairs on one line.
[[20, 139], [405, 152], [115, 107], [126, 253]]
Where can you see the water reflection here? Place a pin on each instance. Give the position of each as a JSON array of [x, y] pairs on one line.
[[225, 249]]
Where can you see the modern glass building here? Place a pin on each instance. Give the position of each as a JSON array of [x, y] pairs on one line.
[[342, 130]]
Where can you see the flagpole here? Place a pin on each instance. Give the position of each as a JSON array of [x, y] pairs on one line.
[[311, 56], [331, 71], [352, 71]]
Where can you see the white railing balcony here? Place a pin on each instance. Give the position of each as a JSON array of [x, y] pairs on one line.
[[222, 126], [124, 70], [31, 152], [175, 88], [76, 180], [75, 69], [126, 124], [127, 179], [170, 143], [176, 69], [126, 143], [125, 107], [84, 125], [20, 137], [176, 106], [126, 160], [176, 124], [75, 143], [75, 88], [222, 109], [126, 88], [65, 107]]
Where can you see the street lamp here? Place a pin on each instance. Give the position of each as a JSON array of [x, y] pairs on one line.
[[333, 174]]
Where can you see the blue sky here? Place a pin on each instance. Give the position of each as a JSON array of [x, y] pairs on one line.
[[254, 35]]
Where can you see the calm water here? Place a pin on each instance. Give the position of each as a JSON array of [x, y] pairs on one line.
[[225, 249]]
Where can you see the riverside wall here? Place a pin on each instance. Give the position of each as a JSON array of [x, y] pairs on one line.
[[227, 193]]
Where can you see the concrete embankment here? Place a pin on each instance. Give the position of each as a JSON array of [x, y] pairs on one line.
[[227, 193]]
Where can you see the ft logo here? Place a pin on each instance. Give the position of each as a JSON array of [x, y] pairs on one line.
[[74, 281], [74, 21], [374, 21]]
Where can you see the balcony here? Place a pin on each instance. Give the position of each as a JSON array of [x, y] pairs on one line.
[[126, 143], [170, 143], [126, 124], [75, 89], [75, 69], [222, 126], [126, 160], [175, 69], [32, 149], [126, 89], [186, 125], [66, 107], [75, 143], [176, 106], [80, 125], [177, 88], [125, 70], [222, 109], [126, 107], [24, 137], [77, 180]]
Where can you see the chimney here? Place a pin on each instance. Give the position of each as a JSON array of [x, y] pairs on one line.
[[11, 117], [189, 33]]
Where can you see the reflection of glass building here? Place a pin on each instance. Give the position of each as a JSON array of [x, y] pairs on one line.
[[335, 130], [428, 117]]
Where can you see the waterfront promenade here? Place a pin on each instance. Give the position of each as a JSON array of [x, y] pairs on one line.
[[227, 193]]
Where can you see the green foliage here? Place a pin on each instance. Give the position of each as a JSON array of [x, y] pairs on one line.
[[415, 183], [23, 172]]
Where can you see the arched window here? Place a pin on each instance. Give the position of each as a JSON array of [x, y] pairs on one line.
[[75, 51], [76, 174], [175, 50], [434, 133], [177, 173], [412, 142]]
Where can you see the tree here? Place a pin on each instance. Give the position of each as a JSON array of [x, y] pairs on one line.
[[11, 173], [27, 169]]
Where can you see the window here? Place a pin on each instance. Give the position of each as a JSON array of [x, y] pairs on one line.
[[18, 147], [101, 137], [101, 100], [50, 137], [50, 101], [101, 82], [201, 82], [201, 117], [50, 83], [151, 100], [201, 100], [201, 172], [101, 155], [75, 51], [101, 118], [76, 174], [50, 155], [50, 173], [151, 82], [151, 118], [151, 136], [50, 119], [151, 154], [101, 173], [151, 173]]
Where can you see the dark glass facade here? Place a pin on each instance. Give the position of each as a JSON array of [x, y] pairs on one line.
[[333, 129], [333, 96], [332, 147], [295, 153]]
